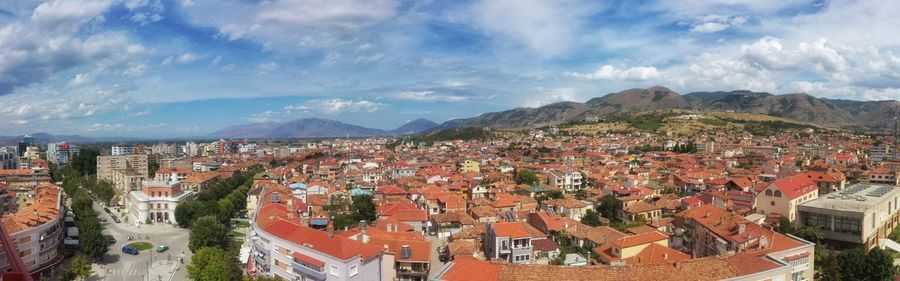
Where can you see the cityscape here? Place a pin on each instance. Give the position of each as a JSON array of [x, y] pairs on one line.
[[409, 140]]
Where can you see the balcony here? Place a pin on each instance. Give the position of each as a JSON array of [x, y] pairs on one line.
[[261, 262], [260, 247], [416, 269], [307, 272]]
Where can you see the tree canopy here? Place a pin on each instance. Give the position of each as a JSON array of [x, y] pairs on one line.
[[207, 231], [524, 176], [214, 264]]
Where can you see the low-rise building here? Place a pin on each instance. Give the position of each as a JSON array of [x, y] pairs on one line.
[[508, 241], [783, 196], [884, 176], [567, 181], [861, 214], [156, 201]]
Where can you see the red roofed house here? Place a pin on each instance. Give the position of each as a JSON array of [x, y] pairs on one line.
[[509, 241], [783, 196]]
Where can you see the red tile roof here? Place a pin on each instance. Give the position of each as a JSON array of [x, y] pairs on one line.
[[795, 186], [511, 229]]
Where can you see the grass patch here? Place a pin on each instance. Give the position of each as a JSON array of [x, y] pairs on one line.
[[235, 234], [242, 224], [140, 246]]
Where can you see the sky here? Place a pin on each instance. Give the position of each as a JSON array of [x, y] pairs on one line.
[[172, 68]]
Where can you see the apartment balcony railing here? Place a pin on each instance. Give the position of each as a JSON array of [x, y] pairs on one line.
[[308, 272]]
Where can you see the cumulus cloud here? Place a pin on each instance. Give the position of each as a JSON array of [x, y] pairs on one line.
[[715, 23], [58, 105], [547, 96], [145, 11], [49, 42], [335, 106], [609, 72]]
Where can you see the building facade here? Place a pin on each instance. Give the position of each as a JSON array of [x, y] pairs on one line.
[[861, 214], [156, 201]]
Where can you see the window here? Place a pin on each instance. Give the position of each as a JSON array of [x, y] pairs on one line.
[[768, 192], [773, 202], [778, 193], [334, 271], [504, 245], [354, 270]]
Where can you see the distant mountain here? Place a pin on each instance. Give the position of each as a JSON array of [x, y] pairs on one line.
[[300, 128], [797, 106], [415, 127]]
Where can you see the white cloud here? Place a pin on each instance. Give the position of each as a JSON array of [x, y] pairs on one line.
[[429, 96], [282, 24], [266, 68], [54, 104], [50, 41], [546, 27], [547, 96], [609, 72], [335, 106], [265, 117]]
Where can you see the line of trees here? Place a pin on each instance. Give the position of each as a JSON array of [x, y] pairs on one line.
[[209, 219]]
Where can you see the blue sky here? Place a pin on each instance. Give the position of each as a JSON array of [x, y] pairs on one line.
[[170, 68]]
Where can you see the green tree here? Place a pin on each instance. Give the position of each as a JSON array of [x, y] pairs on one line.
[[207, 231], [67, 275], [104, 191], [827, 266], [81, 267], [608, 206], [85, 162], [855, 264], [213, 264], [363, 208], [524, 176], [591, 218], [91, 240], [184, 214], [226, 210]]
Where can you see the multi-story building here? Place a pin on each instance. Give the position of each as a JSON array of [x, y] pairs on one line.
[[198, 181], [246, 148], [8, 158], [163, 149], [24, 178], [783, 196], [884, 176], [468, 166], [60, 152], [122, 149], [508, 241], [156, 201], [37, 230], [861, 214], [881, 153], [126, 172], [568, 181], [708, 231], [283, 246], [27, 141]]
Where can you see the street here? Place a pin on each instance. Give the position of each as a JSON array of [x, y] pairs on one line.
[[119, 266]]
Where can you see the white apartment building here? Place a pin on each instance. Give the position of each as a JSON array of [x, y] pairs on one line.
[[568, 181]]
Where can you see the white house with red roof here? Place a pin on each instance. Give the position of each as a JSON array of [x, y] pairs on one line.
[[783, 196]]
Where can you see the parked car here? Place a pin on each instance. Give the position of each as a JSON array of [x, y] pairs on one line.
[[129, 250], [102, 219], [110, 239], [115, 218], [162, 248], [107, 210], [444, 254]]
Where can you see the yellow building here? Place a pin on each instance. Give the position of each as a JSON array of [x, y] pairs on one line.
[[467, 166]]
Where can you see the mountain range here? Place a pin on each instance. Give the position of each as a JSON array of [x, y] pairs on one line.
[[795, 106], [316, 128]]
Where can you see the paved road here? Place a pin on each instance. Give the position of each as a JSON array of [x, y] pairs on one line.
[[120, 266]]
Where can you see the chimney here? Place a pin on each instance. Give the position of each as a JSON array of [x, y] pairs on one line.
[[330, 229], [742, 228], [665, 256], [707, 214]]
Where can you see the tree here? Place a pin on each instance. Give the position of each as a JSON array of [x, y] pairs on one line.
[[104, 191], [67, 275], [524, 176], [226, 210], [184, 214], [85, 162], [207, 231], [81, 267], [213, 264], [855, 264], [91, 240], [827, 265], [608, 206], [591, 218], [364, 208], [581, 194]]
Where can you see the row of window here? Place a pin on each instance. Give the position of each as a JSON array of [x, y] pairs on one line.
[[522, 258]]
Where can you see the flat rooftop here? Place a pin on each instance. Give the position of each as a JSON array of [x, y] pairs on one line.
[[858, 197]]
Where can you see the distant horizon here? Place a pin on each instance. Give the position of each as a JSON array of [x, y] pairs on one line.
[[191, 67]]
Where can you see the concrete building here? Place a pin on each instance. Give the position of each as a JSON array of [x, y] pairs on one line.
[[508, 241], [60, 152], [283, 246], [8, 158], [568, 181], [468, 166], [861, 214], [122, 149], [24, 178], [156, 201], [884, 176], [126, 172], [783, 196], [37, 230]]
